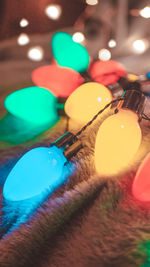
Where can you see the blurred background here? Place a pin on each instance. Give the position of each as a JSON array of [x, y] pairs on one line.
[[109, 29]]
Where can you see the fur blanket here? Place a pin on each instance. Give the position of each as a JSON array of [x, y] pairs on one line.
[[89, 221]]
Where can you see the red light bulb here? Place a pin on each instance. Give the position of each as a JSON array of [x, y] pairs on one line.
[[107, 72], [60, 81], [141, 183]]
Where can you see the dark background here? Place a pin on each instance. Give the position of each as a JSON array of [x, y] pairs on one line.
[[12, 11]]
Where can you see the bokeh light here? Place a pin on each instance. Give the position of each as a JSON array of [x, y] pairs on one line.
[[104, 54], [92, 2], [145, 12], [112, 43], [78, 37], [53, 11], [23, 39], [24, 23], [35, 53], [140, 46]]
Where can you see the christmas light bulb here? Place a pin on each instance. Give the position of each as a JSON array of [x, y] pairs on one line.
[[148, 74], [86, 101], [119, 136], [107, 72], [36, 171], [39, 170], [68, 53], [132, 77], [33, 104], [141, 183], [59, 80]]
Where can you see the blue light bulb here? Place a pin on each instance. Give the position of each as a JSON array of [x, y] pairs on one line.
[[148, 74], [35, 177], [38, 170]]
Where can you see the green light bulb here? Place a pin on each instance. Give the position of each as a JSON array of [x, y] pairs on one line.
[[35, 105], [68, 53]]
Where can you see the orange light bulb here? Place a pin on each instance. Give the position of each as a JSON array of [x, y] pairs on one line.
[[141, 183], [86, 101], [117, 142]]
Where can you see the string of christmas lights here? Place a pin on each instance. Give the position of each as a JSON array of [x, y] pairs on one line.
[[68, 145]]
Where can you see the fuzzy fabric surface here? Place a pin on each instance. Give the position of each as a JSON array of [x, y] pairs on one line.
[[90, 221]]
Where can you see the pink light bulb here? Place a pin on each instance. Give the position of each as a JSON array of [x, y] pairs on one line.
[[60, 81], [107, 72], [141, 183]]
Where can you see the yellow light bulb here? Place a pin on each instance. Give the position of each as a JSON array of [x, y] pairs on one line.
[[86, 101], [132, 77], [117, 142]]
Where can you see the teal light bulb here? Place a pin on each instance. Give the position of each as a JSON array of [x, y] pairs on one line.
[[68, 53], [38, 170], [35, 105]]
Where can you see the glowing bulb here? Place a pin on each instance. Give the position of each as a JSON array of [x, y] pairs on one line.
[[92, 2], [112, 43], [35, 53], [38, 170], [68, 53], [132, 77], [41, 170], [78, 37], [24, 23], [141, 183], [23, 39], [33, 104], [53, 11], [107, 72], [145, 12], [59, 80], [104, 54], [86, 101], [117, 142], [140, 46], [148, 74]]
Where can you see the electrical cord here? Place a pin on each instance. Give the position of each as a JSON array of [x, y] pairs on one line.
[[95, 117]]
